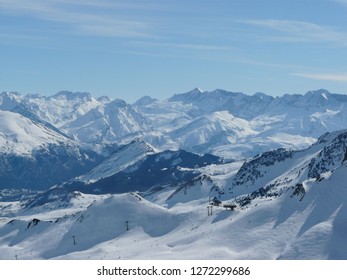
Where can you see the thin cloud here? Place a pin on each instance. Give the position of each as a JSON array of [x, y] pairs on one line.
[[103, 21], [298, 31], [333, 77], [201, 47], [114, 4], [344, 2]]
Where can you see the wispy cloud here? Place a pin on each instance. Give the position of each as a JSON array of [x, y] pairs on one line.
[[333, 77], [298, 31], [104, 20], [341, 1], [191, 46]]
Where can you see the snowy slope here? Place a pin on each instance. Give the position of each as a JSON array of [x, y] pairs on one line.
[[289, 205], [281, 228], [122, 158], [288, 183], [20, 135], [33, 155]]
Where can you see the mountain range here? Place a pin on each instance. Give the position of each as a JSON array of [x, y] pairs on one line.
[[270, 170]]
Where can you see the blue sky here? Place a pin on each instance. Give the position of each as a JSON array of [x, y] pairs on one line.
[[128, 49]]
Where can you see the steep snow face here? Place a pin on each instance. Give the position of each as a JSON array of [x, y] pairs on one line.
[[124, 157], [20, 135]]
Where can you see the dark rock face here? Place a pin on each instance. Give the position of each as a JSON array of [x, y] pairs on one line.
[[156, 170], [250, 171], [330, 157], [45, 167]]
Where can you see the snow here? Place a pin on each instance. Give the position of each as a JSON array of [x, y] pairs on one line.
[[220, 122], [290, 203], [155, 232], [20, 135], [283, 227], [118, 161]]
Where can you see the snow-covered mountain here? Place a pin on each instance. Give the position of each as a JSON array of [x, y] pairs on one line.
[[276, 172], [141, 174], [243, 125], [137, 167], [287, 205], [33, 155], [20, 135], [81, 116], [228, 124], [119, 160], [107, 123], [211, 131]]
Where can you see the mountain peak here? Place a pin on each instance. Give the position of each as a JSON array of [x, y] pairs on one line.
[[196, 90], [9, 100], [260, 94], [145, 100], [319, 97], [139, 142], [187, 96], [318, 91], [72, 95], [104, 99]]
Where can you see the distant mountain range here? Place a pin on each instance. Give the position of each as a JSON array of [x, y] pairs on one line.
[[248, 177], [75, 131]]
